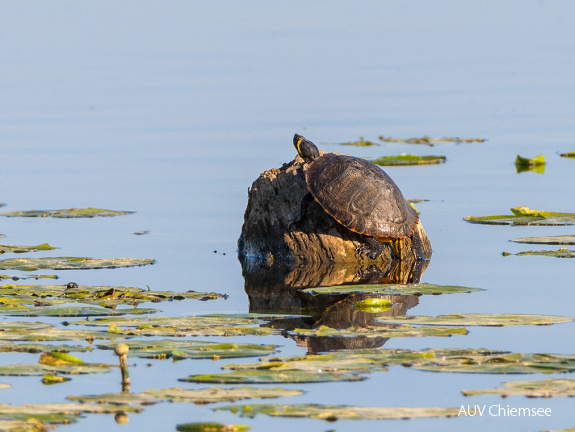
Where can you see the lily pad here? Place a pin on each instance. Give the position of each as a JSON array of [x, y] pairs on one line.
[[559, 253], [498, 320], [337, 412], [28, 369], [39, 348], [70, 263], [24, 249], [530, 162], [392, 289], [107, 296], [551, 240], [72, 311], [211, 427], [202, 325], [409, 159], [54, 379], [525, 216], [544, 388], [30, 332], [197, 396], [536, 164], [31, 276], [511, 363], [385, 332], [269, 376], [364, 361], [430, 141], [88, 212], [359, 143], [57, 413], [177, 350]]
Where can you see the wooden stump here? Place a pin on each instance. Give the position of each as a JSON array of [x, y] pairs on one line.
[[319, 251]]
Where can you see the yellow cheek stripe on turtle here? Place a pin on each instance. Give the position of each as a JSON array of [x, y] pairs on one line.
[[299, 141]]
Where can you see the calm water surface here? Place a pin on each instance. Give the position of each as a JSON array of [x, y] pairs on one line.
[[171, 109]]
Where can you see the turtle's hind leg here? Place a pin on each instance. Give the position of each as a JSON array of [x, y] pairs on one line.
[[371, 247]]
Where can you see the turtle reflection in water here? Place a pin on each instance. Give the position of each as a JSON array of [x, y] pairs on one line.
[[360, 196]]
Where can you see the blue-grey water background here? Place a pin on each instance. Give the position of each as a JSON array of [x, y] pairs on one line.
[[171, 109]]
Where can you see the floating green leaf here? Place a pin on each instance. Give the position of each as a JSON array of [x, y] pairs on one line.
[[70, 263], [346, 362], [100, 295], [27, 369], [30, 425], [430, 141], [268, 376], [385, 332], [525, 216], [568, 155], [530, 162], [29, 332], [477, 320], [203, 325], [54, 379], [512, 363], [198, 396], [211, 427], [24, 249], [363, 361], [551, 240], [359, 143], [536, 164], [164, 349], [337, 412], [544, 388], [38, 348], [409, 159], [72, 311], [88, 212], [32, 276], [392, 289], [559, 253], [57, 413]]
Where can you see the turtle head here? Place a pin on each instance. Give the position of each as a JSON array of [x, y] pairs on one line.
[[305, 148]]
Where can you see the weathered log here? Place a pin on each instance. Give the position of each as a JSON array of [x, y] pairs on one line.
[[319, 250]]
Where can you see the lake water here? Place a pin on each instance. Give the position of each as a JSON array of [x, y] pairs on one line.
[[171, 109]]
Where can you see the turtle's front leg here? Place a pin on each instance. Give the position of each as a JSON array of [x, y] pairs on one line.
[[304, 207]]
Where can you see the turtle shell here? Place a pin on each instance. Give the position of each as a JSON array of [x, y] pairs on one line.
[[360, 196]]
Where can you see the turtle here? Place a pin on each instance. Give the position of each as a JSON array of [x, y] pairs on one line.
[[360, 196]]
